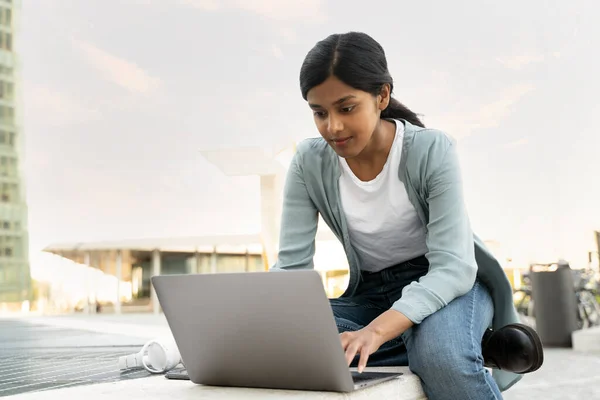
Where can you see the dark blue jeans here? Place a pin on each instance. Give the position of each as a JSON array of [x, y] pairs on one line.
[[444, 350]]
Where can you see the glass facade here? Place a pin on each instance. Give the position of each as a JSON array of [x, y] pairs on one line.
[[15, 279], [171, 264]]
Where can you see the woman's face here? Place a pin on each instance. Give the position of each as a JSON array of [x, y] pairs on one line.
[[346, 117]]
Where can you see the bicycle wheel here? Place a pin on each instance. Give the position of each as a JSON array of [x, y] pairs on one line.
[[589, 309]]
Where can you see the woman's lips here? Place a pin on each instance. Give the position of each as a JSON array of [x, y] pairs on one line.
[[341, 142]]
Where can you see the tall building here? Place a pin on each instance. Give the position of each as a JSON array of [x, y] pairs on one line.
[[15, 277]]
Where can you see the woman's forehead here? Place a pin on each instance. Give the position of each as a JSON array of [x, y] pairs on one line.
[[332, 91]]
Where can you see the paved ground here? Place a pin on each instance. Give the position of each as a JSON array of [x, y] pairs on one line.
[[565, 375], [38, 357]]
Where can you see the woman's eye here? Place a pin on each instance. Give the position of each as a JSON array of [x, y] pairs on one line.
[[319, 114], [348, 109]]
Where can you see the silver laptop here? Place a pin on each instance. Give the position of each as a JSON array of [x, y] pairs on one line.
[[262, 330]]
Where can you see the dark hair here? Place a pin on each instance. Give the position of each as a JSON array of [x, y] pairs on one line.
[[359, 61]]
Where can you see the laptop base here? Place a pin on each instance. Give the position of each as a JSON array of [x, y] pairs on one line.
[[360, 380]]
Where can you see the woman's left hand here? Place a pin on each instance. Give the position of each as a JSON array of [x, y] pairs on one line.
[[364, 342], [369, 339]]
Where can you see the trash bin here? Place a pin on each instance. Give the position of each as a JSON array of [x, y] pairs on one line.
[[555, 304]]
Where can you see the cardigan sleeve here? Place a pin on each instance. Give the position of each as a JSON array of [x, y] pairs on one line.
[[299, 221], [451, 252]]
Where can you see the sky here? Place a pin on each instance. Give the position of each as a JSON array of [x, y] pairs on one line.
[[119, 98]]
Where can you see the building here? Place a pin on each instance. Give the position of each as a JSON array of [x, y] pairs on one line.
[[119, 272], [116, 274], [15, 279]]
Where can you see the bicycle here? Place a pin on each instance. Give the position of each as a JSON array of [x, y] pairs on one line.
[[587, 299], [586, 295]]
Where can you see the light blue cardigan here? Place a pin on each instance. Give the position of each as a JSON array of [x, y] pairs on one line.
[[430, 171]]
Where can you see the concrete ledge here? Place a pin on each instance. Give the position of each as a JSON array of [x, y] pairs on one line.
[[587, 340], [144, 327], [407, 387]]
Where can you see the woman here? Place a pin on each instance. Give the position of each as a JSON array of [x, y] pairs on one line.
[[423, 289]]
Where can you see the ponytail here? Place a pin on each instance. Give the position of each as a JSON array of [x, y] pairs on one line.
[[397, 110]]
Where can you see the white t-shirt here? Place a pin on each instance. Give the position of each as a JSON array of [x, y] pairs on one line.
[[383, 225]]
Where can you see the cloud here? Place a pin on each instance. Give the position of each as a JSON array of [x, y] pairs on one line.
[[289, 34], [279, 10], [57, 108], [490, 114], [276, 52], [208, 5], [142, 2], [268, 50], [464, 123], [517, 62], [517, 143], [116, 70], [284, 10], [520, 61]]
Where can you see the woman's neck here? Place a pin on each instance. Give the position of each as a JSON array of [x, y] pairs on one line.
[[370, 162]]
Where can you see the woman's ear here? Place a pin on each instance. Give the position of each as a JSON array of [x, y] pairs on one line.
[[383, 99]]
